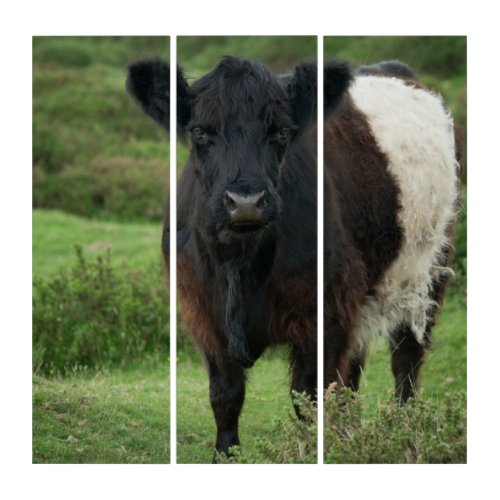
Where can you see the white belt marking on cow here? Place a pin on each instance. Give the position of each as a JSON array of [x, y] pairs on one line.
[[416, 133]]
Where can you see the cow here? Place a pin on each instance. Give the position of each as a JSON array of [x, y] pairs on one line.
[[392, 183], [247, 218]]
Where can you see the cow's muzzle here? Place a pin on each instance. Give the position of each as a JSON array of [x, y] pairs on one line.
[[245, 210]]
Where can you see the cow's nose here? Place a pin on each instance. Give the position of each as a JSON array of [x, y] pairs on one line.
[[245, 208]]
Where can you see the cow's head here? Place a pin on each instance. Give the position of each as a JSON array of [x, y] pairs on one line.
[[240, 121]]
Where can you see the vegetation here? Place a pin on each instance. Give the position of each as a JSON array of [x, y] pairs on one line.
[[441, 56], [100, 342], [423, 431], [267, 401], [55, 234], [198, 55], [118, 416], [431, 429], [100, 317], [96, 315], [95, 154]]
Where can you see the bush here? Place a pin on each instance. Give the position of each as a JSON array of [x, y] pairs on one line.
[[113, 187], [423, 431], [294, 440], [96, 315]]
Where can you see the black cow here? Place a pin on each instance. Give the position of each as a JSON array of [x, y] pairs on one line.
[[247, 218]]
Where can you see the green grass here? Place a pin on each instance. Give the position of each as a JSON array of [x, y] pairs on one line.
[[108, 415], [95, 153], [119, 416], [55, 235]]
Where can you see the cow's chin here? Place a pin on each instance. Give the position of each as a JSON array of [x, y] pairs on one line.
[[246, 228], [242, 232]]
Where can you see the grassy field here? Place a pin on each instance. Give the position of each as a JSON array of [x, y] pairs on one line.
[[55, 235], [445, 368], [116, 416], [109, 415]]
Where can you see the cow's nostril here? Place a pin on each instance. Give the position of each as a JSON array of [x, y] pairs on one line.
[[262, 201], [229, 201]]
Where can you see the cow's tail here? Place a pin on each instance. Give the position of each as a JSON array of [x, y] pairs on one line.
[[460, 151]]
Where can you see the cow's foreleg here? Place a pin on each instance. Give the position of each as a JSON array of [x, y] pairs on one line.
[[337, 355], [227, 393], [355, 370], [304, 375]]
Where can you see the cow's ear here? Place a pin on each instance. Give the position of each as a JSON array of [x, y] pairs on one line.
[[302, 94], [337, 78], [148, 82]]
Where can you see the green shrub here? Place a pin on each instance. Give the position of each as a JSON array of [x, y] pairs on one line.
[[113, 187], [423, 431], [294, 440], [97, 315]]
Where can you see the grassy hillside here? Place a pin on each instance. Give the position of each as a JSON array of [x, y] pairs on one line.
[[94, 151]]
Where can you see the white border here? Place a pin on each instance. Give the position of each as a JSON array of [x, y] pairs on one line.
[[20, 22], [173, 249]]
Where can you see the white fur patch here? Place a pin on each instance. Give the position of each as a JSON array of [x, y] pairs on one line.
[[416, 133]]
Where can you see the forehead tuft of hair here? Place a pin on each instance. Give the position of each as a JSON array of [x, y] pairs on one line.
[[236, 87]]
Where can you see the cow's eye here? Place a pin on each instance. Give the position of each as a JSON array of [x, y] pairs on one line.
[[283, 133], [199, 133]]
